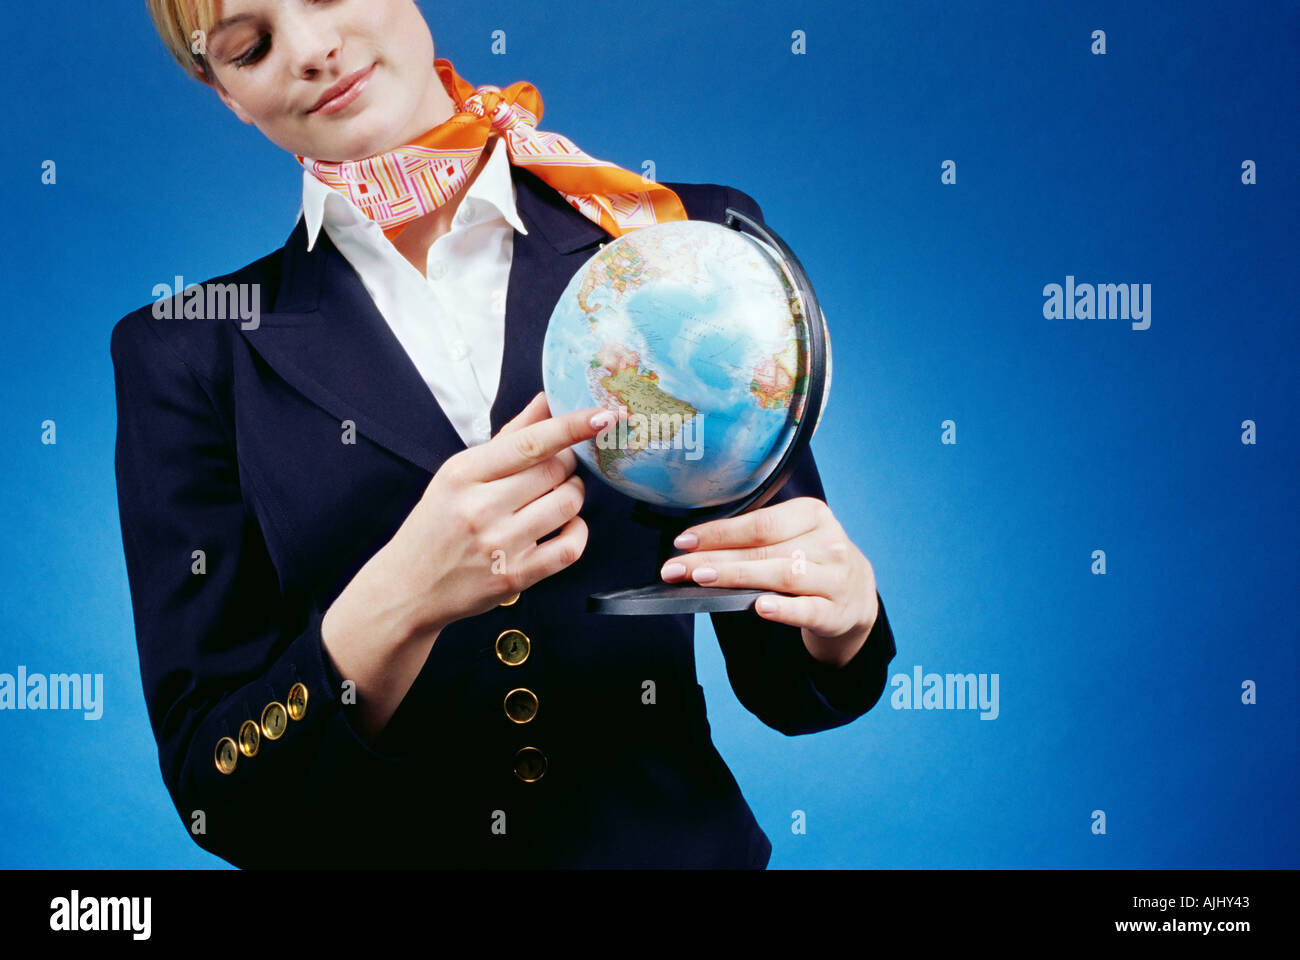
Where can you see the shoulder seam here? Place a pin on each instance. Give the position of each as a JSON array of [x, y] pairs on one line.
[[203, 382]]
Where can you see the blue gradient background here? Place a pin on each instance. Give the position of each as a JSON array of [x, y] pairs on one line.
[[1119, 692]]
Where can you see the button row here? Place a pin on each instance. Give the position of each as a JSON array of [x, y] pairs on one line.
[[275, 720], [521, 704], [437, 269]]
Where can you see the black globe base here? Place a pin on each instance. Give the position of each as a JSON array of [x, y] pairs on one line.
[[671, 598]]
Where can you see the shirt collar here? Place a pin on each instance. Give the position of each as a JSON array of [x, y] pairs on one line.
[[322, 204]]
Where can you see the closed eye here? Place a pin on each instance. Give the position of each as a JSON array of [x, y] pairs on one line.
[[255, 53], [258, 50]]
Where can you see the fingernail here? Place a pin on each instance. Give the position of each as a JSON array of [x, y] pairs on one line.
[[705, 574], [766, 605], [601, 420], [673, 570], [686, 541]]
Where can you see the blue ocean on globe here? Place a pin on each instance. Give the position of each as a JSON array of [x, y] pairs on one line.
[[693, 332]]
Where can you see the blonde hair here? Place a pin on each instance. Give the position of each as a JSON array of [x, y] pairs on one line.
[[176, 22]]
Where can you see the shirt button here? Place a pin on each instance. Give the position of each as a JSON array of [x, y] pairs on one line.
[[468, 210], [459, 350], [483, 428], [437, 270]]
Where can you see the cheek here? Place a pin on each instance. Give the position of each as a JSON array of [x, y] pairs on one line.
[[399, 29], [256, 104]]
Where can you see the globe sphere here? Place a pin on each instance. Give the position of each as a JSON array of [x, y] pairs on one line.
[[695, 335]]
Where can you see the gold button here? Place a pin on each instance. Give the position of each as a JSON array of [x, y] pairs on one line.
[[249, 739], [226, 755], [510, 602], [513, 647], [530, 764], [521, 705], [297, 701], [274, 720]]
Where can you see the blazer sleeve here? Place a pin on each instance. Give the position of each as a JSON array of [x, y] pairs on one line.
[[217, 640], [771, 671]]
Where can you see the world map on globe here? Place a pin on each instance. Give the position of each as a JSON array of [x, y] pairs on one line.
[[695, 334]]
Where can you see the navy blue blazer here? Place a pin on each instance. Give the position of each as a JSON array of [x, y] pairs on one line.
[[229, 442]]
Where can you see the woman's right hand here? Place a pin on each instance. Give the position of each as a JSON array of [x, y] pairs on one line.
[[472, 539]]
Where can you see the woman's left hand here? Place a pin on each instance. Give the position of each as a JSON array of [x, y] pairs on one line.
[[796, 547]]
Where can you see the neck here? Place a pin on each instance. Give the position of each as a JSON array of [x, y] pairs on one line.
[[436, 108], [419, 235]]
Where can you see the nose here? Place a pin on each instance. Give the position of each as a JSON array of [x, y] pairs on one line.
[[312, 40]]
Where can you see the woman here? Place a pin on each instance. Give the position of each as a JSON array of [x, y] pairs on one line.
[[358, 644]]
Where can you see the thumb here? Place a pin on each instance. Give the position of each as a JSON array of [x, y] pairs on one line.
[[535, 412]]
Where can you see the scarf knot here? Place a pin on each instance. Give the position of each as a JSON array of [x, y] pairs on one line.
[[396, 187]]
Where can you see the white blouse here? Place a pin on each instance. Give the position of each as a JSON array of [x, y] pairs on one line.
[[451, 322]]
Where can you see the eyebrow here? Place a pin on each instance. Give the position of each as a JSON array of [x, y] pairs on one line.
[[228, 22]]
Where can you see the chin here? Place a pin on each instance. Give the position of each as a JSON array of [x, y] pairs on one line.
[[357, 145]]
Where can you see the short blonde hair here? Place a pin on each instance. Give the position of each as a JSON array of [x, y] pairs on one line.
[[176, 22]]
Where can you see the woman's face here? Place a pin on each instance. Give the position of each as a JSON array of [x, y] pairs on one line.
[[275, 60]]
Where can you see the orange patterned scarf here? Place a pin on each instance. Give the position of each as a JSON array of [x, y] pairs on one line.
[[396, 187]]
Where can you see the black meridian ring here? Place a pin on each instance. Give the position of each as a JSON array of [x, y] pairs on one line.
[[666, 517], [658, 597]]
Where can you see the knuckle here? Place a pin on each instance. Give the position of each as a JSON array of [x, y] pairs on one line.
[[469, 520], [574, 495], [763, 525], [845, 575], [513, 580], [569, 552], [555, 472], [580, 532], [453, 470], [578, 429], [527, 445]]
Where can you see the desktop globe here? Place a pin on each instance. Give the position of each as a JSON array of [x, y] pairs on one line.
[[695, 333]]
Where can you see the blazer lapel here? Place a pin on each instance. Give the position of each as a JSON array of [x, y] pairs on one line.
[[558, 242], [325, 337]]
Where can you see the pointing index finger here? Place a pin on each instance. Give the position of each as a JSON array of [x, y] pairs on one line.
[[508, 453]]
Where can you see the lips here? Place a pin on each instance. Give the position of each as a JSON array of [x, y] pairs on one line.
[[343, 92]]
